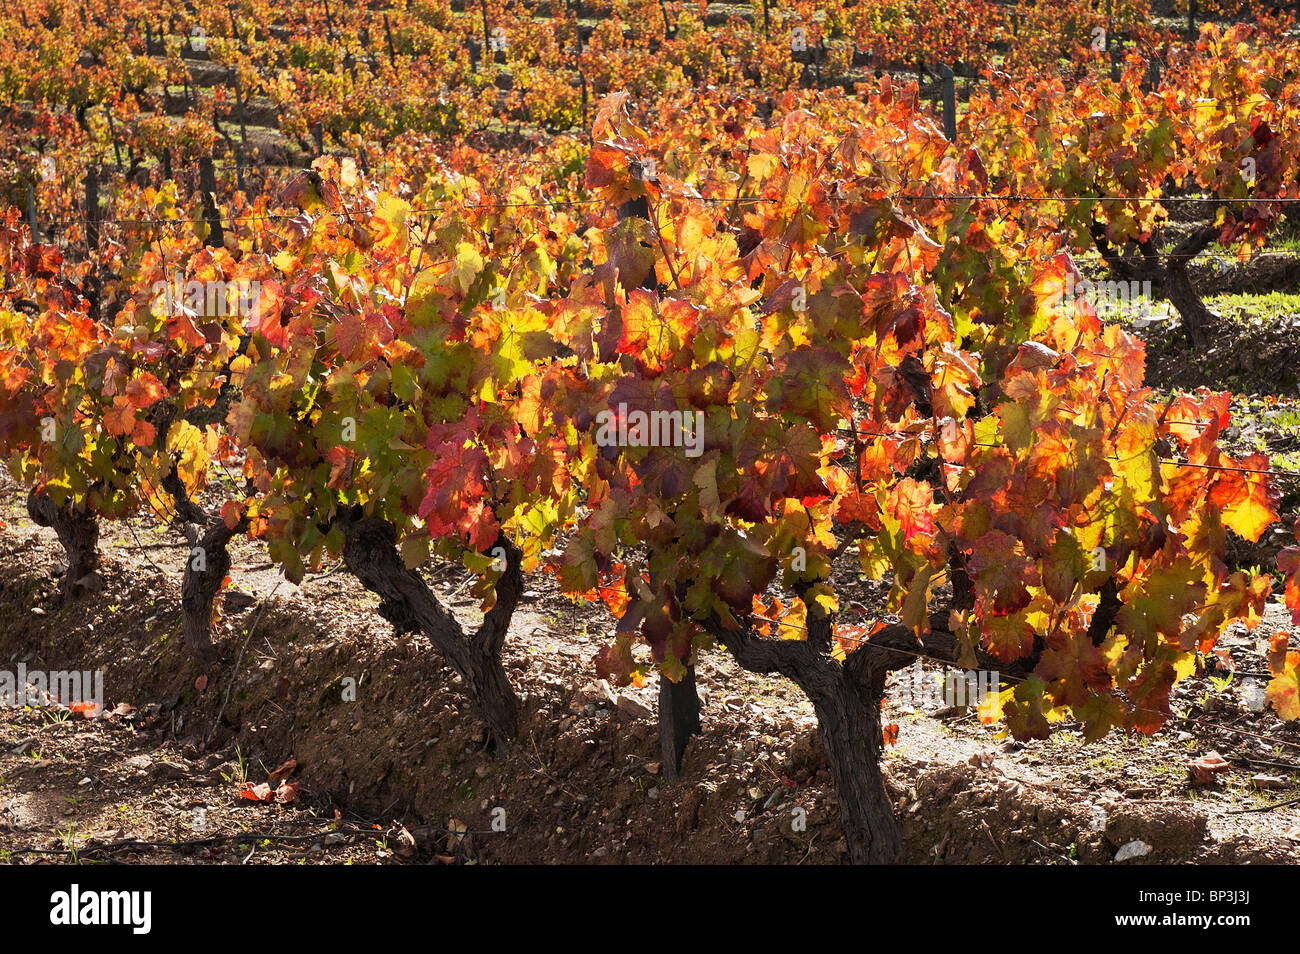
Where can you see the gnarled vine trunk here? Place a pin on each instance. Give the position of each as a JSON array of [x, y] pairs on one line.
[[848, 722], [78, 532], [1170, 275], [205, 568], [847, 702], [679, 719], [370, 553]]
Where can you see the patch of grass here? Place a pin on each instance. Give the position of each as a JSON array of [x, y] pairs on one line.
[[240, 775], [1105, 760], [69, 839], [1271, 426], [1285, 243], [1255, 307]]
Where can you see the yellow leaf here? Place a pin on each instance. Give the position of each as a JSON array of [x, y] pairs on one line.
[[468, 264], [415, 550], [1284, 690], [794, 624], [188, 448], [917, 600]]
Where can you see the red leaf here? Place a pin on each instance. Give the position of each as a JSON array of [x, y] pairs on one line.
[[256, 793], [88, 709]]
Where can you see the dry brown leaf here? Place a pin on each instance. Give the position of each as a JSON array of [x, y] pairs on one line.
[[1201, 771]]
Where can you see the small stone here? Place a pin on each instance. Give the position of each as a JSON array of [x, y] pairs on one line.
[[1267, 781], [633, 709], [335, 838], [91, 582], [1134, 849], [85, 781]]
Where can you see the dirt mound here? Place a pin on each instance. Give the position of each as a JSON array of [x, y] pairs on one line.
[[383, 737]]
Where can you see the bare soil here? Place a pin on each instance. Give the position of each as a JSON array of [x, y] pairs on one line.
[[401, 774]]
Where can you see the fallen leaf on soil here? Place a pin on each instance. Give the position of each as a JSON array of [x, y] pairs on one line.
[[1292, 833], [444, 859], [287, 792], [88, 709], [456, 830], [284, 771], [201, 683], [403, 842], [891, 733], [122, 709], [256, 793], [1203, 770], [1267, 781]]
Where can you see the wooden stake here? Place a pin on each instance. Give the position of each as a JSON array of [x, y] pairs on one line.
[[31, 212], [949, 103], [112, 132], [239, 104], [208, 188], [92, 208]]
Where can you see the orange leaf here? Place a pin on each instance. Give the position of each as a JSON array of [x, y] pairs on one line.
[[256, 793], [88, 709]]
